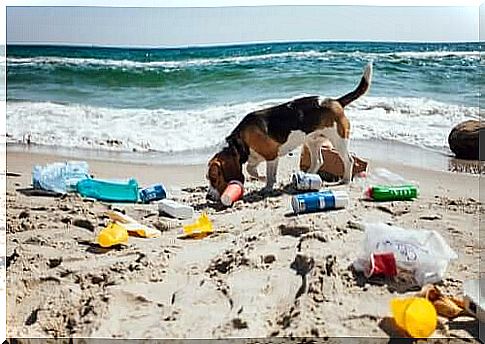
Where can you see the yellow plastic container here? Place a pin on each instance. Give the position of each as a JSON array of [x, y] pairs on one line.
[[416, 315], [200, 228], [113, 234]]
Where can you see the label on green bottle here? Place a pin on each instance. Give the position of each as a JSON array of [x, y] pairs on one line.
[[394, 193]]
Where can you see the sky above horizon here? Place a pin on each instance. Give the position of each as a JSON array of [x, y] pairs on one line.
[[124, 26]]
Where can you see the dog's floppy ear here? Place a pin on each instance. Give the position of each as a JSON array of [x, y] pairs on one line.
[[215, 170]]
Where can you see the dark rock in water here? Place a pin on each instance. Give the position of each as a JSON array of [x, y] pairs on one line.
[[464, 140]]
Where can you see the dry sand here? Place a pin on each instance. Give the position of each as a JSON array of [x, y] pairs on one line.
[[263, 273]]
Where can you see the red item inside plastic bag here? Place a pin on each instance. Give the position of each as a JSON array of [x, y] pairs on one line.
[[382, 264]]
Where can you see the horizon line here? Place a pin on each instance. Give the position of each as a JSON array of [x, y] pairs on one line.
[[229, 44]]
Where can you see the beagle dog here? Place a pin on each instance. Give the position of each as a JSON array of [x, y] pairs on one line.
[[268, 134]]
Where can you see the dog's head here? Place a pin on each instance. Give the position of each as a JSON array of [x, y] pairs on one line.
[[222, 168]]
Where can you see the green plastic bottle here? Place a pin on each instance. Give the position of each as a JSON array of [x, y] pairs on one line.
[[392, 193]]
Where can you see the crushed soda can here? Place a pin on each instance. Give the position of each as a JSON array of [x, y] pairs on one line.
[[306, 181], [317, 201]]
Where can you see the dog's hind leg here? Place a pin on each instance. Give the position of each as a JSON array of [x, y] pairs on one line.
[[316, 158], [342, 146]]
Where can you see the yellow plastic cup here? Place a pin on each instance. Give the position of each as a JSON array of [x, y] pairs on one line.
[[416, 315], [113, 234], [200, 228]]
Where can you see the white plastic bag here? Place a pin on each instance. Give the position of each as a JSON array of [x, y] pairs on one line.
[[60, 177], [380, 176], [423, 252]]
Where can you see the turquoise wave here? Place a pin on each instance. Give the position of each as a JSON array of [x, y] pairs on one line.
[[178, 78]]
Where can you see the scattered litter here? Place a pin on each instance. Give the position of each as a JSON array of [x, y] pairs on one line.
[[175, 209], [382, 176], [119, 216], [234, 191], [316, 201], [424, 252], [60, 177], [448, 307], [391, 193], [153, 193], [382, 264], [109, 190], [132, 226], [113, 234], [416, 315], [199, 229], [306, 181], [384, 185], [141, 230]]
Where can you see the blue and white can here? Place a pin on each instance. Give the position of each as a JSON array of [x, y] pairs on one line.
[[316, 201], [153, 193], [306, 181]]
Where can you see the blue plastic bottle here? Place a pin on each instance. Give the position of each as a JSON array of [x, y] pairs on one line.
[[153, 193], [109, 190]]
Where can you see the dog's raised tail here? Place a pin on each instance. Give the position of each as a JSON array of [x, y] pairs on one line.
[[361, 88]]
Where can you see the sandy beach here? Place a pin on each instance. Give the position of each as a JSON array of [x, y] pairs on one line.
[[250, 279]]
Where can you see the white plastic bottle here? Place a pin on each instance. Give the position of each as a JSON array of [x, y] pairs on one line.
[[385, 177]]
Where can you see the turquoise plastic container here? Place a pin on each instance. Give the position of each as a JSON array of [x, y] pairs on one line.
[[109, 190]]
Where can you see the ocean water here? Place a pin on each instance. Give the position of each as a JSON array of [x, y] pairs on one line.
[[186, 100]]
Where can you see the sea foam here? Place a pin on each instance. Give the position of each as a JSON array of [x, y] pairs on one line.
[[417, 121]]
